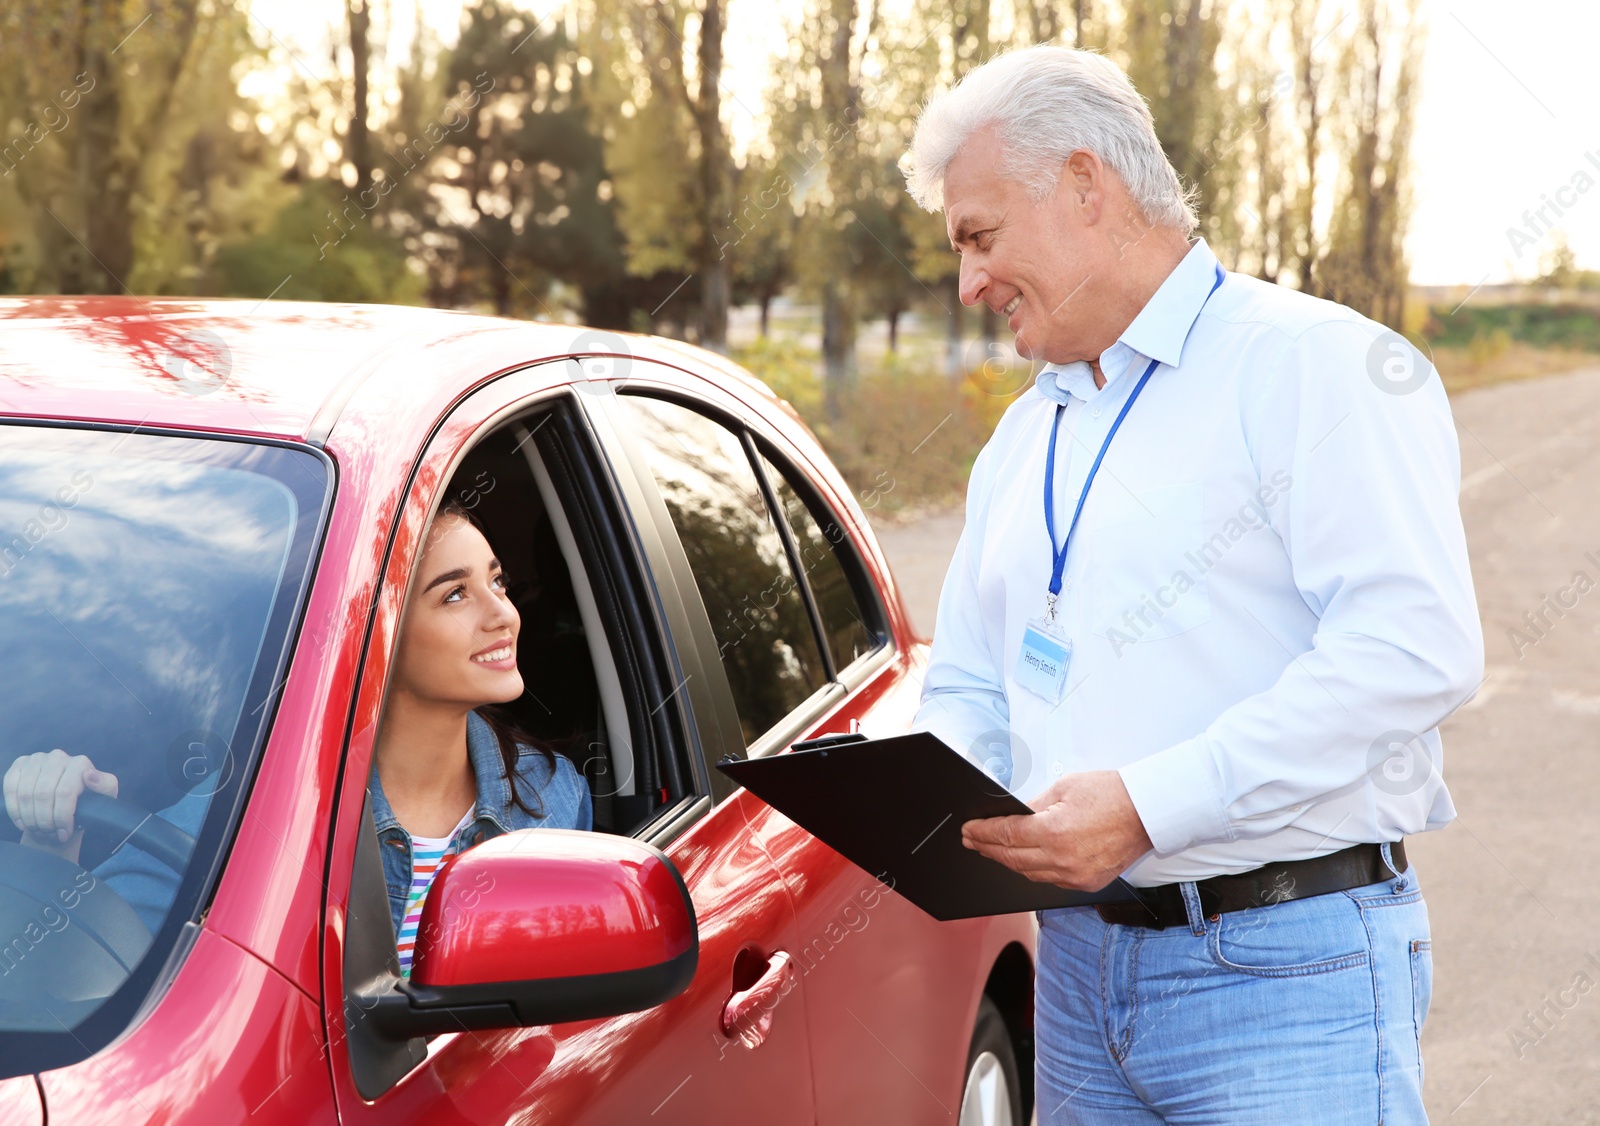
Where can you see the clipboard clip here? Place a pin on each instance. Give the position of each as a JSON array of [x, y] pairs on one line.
[[831, 739]]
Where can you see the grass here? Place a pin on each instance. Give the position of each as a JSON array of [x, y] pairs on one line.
[[1503, 361], [1536, 335], [1554, 325]]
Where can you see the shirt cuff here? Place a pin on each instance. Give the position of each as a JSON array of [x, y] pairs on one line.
[[1178, 796]]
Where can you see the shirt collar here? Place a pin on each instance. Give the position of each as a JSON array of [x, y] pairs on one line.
[[488, 769], [1159, 331]]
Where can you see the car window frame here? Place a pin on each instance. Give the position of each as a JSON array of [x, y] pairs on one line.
[[857, 573], [756, 436]]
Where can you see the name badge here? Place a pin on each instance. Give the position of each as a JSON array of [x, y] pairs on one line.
[[1042, 663]]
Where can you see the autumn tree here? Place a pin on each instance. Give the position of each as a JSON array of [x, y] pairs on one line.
[[658, 97], [1364, 265], [127, 155]]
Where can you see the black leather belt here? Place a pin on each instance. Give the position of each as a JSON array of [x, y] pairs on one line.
[[1162, 906]]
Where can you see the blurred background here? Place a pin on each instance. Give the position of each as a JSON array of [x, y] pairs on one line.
[[725, 171]]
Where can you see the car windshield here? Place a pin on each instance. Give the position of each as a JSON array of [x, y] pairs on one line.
[[148, 584]]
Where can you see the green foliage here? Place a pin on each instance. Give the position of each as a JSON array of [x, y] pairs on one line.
[[786, 366], [581, 161], [320, 248], [1484, 327], [129, 154], [510, 192]]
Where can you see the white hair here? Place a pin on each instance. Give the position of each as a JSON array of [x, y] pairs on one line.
[[1046, 102]]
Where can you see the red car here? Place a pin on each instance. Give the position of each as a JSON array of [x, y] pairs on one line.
[[209, 515]]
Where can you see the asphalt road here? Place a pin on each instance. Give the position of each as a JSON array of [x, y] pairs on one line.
[[1513, 1035]]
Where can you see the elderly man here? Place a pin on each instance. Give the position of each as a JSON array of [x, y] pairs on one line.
[[1211, 603]]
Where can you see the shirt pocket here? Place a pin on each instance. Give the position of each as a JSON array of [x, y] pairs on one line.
[[1143, 583]]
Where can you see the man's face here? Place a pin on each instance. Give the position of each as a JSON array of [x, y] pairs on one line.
[[1034, 259]]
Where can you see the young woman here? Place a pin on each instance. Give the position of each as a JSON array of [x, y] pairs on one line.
[[449, 770]]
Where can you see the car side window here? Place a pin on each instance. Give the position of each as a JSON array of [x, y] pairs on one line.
[[758, 614], [850, 621]]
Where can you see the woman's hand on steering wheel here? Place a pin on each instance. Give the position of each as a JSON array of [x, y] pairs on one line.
[[42, 791]]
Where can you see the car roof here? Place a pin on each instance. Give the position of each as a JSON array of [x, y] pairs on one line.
[[285, 369]]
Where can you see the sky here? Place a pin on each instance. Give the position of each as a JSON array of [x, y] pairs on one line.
[[1509, 111]]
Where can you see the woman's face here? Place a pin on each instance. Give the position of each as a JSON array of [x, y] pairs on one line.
[[459, 644]]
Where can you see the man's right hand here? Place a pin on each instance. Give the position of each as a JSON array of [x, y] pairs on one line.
[[42, 797]]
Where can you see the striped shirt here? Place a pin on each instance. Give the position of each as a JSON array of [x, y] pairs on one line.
[[428, 855]]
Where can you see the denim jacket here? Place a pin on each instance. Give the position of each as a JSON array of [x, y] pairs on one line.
[[561, 793]]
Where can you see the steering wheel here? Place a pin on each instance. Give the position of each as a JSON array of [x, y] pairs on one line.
[[139, 827], [73, 939]]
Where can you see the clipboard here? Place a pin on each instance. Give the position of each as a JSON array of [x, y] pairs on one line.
[[894, 807]]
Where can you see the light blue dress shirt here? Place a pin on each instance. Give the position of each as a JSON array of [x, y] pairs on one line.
[[1268, 591]]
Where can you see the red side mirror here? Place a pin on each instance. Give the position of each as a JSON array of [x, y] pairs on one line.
[[547, 925]]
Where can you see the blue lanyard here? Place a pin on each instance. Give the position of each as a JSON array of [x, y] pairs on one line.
[[1058, 559]]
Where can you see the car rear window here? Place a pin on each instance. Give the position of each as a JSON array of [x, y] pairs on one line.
[[148, 586]]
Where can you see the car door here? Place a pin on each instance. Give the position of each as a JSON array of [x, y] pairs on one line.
[[736, 1040], [890, 992]]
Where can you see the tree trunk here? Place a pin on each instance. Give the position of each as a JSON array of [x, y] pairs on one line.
[[713, 181], [838, 348], [1309, 77], [1044, 20], [359, 152], [953, 364], [894, 331], [108, 221]]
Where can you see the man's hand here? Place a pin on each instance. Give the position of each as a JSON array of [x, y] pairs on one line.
[[1082, 834], [42, 796]]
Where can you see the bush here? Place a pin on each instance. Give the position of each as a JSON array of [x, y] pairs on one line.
[[306, 256], [786, 366], [1565, 325]]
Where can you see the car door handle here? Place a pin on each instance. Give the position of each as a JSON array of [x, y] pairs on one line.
[[748, 1013]]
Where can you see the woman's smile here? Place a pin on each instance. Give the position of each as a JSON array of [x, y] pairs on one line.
[[503, 655]]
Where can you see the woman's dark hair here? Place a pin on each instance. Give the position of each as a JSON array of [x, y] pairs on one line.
[[508, 732]]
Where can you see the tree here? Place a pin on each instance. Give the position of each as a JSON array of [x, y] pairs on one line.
[[1559, 264], [887, 285], [1169, 49], [1310, 86], [817, 130], [758, 233], [1365, 265], [656, 96], [306, 256], [128, 154], [358, 148], [503, 193]]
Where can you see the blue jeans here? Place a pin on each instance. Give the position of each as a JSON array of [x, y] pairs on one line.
[[1305, 1011]]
